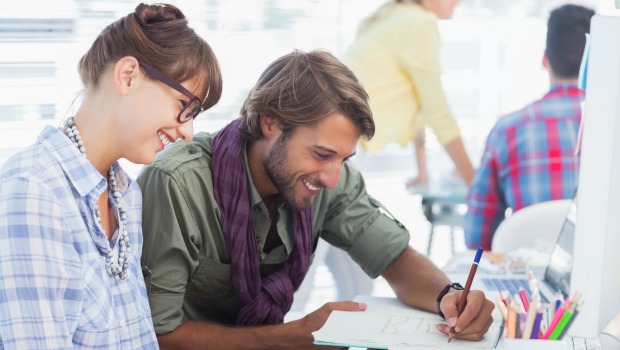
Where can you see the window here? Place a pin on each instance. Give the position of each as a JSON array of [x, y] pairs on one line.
[[491, 54]]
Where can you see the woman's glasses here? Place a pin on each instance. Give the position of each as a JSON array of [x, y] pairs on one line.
[[190, 109]]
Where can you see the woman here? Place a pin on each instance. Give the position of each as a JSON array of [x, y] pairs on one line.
[[396, 57], [70, 224]]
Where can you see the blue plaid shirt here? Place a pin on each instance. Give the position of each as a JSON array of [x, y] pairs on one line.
[[529, 158], [55, 292]]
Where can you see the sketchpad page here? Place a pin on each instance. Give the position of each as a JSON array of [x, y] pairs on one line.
[[387, 323]]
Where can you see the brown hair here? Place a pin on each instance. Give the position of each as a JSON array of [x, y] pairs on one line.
[[566, 39], [157, 34], [301, 89]]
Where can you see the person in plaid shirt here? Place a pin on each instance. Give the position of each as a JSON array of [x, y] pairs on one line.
[[530, 154]]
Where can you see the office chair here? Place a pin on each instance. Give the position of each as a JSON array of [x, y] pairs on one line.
[[530, 226]]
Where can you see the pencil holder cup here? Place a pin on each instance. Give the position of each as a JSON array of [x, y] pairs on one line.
[[533, 344]]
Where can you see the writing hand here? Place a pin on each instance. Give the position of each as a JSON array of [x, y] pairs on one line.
[[475, 320]]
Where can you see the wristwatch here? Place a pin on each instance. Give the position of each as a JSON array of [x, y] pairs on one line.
[[443, 292]]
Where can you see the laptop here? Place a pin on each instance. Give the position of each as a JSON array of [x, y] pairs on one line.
[[557, 272]]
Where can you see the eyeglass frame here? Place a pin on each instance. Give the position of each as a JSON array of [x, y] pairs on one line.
[[162, 77]]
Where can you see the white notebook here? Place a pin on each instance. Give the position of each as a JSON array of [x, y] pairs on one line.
[[387, 323]]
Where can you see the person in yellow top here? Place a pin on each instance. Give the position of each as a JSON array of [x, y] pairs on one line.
[[396, 57]]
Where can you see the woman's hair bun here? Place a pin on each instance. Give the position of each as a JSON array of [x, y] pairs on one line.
[[155, 13]]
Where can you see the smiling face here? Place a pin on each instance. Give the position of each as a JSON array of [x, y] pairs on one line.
[[311, 158], [152, 121]]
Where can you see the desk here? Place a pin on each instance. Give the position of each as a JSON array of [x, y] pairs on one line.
[[443, 203]]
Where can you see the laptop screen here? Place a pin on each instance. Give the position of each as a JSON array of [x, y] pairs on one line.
[[557, 274]]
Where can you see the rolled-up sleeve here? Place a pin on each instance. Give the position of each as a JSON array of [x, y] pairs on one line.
[[168, 255], [359, 224]]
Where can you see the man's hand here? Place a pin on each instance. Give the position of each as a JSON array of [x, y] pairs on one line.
[[291, 335], [304, 327], [475, 320]]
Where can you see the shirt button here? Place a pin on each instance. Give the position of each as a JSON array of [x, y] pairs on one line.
[[192, 151], [122, 323]]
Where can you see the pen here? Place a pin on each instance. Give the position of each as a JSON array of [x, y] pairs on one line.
[[559, 298], [511, 322], [502, 307], [534, 291], [536, 327], [529, 321], [470, 279], [518, 302], [570, 321], [524, 300], [518, 329], [556, 318], [504, 299], [574, 307], [553, 307], [559, 328]]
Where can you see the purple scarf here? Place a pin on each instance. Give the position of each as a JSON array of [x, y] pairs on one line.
[[265, 301]]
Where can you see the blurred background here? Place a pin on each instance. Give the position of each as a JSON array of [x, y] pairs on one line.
[[491, 60]]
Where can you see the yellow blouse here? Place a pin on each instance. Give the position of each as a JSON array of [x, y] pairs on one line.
[[396, 58]]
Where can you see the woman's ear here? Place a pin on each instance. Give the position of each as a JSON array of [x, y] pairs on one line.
[[126, 72]]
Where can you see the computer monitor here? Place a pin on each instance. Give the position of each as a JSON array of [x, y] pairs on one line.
[[558, 271], [597, 240]]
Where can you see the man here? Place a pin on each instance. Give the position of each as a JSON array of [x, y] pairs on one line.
[[249, 205], [530, 154]]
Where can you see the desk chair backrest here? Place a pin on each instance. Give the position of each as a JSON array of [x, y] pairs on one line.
[[526, 228]]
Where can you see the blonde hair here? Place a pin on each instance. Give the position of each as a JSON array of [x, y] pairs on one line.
[[368, 21]]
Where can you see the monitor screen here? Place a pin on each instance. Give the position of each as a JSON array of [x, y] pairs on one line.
[[557, 274], [597, 236]]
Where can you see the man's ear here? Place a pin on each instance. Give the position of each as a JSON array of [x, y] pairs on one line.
[[270, 127], [126, 72], [545, 61]]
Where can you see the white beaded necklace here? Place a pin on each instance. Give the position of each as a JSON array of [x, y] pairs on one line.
[[117, 265]]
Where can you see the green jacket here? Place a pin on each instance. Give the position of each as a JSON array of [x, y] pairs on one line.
[[185, 261]]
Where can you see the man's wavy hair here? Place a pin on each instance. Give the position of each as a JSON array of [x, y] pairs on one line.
[[300, 89]]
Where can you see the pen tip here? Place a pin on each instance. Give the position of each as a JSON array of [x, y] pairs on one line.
[[449, 337]]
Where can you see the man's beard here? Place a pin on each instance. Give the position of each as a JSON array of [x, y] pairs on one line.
[[275, 165]]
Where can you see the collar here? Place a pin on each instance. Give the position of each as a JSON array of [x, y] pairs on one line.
[[566, 88], [254, 197], [84, 177]]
